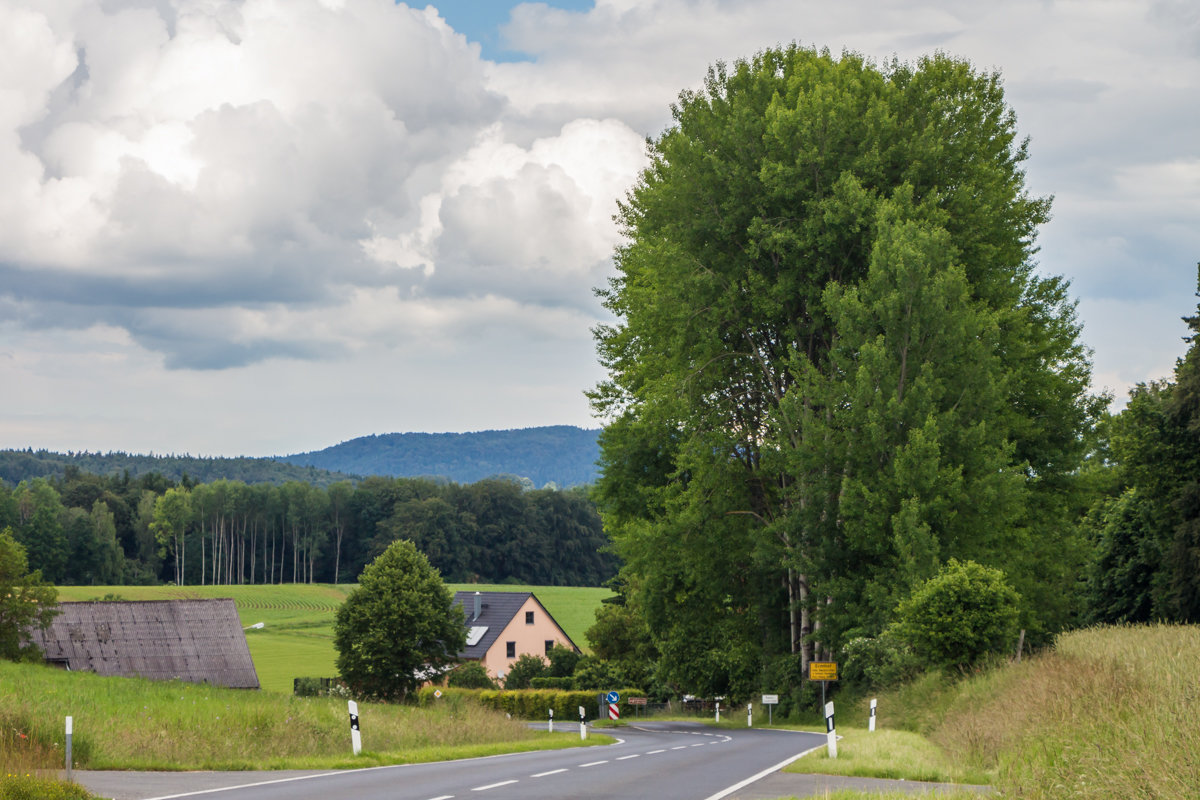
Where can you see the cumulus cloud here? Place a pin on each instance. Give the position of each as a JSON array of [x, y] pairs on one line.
[[185, 170]]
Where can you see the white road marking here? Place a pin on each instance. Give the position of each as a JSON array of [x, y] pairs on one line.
[[626, 758], [761, 775], [551, 772], [698, 744], [652, 752], [681, 747], [443, 797], [594, 763], [492, 786]]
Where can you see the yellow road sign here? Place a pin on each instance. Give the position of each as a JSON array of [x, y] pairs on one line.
[[822, 671]]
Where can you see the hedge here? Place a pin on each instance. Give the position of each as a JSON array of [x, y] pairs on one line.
[[530, 703]]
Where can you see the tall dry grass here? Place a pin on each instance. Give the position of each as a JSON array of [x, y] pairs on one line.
[[1111, 713], [122, 723]]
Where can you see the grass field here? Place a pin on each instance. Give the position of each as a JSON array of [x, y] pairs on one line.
[[297, 638], [130, 723]]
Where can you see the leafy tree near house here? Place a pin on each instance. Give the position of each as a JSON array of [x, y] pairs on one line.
[[396, 626], [26, 601]]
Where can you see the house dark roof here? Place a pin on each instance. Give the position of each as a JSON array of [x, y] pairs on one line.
[[200, 641], [497, 610]]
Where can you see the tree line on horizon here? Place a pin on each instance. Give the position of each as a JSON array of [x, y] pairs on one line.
[[88, 529]]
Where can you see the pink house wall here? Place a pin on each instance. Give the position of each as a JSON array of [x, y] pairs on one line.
[[529, 638]]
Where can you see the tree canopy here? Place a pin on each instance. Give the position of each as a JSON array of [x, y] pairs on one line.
[[834, 366], [26, 601], [398, 627]]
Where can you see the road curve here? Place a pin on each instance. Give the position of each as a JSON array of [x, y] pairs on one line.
[[664, 760]]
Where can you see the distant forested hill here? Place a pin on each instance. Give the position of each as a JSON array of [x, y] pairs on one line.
[[559, 454], [22, 465]]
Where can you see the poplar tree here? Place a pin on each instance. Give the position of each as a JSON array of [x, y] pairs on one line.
[[833, 365]]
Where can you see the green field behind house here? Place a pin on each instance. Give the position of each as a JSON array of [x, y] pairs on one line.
[[297, 637]]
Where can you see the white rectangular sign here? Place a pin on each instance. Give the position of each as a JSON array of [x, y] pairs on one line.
[[770, 699]]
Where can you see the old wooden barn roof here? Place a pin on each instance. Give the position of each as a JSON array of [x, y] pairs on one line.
[[200, 641]]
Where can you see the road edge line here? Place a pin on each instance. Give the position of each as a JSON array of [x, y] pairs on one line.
[[758, 777]]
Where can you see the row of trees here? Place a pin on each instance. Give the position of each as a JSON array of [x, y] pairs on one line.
[[89, 529], [835, 368]]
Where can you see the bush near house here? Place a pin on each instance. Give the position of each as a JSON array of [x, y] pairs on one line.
[[531, 703]]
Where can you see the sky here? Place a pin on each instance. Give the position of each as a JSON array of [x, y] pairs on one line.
[[257, 227]]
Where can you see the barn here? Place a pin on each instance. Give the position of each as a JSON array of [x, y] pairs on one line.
[[200, 641]]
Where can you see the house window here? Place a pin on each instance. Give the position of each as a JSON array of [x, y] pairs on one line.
[[528, 617], [510, 649], [549, 646]]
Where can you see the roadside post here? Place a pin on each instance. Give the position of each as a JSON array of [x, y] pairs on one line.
[[718, 711], [770, 701], [70, 720], [830, 730], [749, 715], [582, 724], [552, 720], [871, 721], [355, 735]]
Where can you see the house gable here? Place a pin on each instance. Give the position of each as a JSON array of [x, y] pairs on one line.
[[518, 618]]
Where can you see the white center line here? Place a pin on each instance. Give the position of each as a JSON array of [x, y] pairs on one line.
[[652, 752], [551, 772], [443, 797], [681, 747], [626, 758], [594, 763], [699, 744], [492, 786]]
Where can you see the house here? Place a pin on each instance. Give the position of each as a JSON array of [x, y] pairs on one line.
[[503, 626], [200, 641]]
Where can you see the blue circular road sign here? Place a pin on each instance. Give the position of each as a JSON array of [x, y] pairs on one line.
[[612, 697]]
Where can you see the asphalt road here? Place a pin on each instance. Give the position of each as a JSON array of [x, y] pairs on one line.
[[663, 760]]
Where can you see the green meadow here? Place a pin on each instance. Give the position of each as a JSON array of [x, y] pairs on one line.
[[296, 639]]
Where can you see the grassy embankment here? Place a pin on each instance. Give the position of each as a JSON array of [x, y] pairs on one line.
[[129, 723], [297, 640], [1109, 714]]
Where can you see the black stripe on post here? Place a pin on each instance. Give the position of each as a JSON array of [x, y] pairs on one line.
[[354, 722]]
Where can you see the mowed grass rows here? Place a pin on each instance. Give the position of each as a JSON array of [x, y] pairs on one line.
[[297, 636]]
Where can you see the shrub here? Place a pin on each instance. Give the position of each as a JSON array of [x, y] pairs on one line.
[[470, 675], [530, 703], [523, 670], [882, 661], [550, 682], [959, 615]]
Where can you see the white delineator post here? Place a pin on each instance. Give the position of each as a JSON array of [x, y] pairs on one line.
[[70, 725], [718, 711], [749, 715], [871, 721], [582, 725], [552, 720], [830, 730], [355, 734]]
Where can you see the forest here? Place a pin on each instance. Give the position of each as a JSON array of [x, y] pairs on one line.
[[87, 529]]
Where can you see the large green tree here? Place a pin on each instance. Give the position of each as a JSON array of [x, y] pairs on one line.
[[398, 627], [833, 366]]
